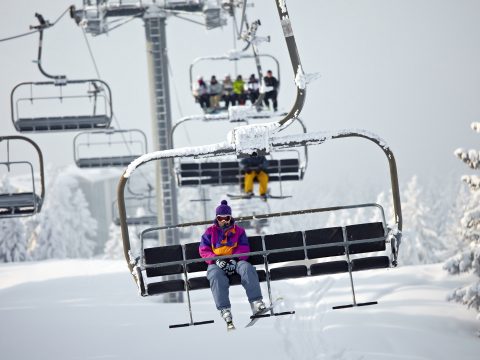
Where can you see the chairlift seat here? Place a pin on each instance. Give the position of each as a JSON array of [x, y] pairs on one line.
[[279, 250], [366, 231], [230, 173], [369, 263], [19, 203], [161, 255], [106, 161], [324, 236], [58, 123]]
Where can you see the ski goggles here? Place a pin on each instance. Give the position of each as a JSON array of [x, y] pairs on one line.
[[224, 217]]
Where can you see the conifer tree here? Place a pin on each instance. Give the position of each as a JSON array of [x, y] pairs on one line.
[[420, 242], [13, 238], [65, 226], [467, 258]]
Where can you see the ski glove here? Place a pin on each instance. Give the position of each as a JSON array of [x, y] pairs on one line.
[[231, 267], [222, 264]]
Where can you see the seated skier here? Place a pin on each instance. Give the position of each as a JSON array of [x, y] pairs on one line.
[[255, 167], [225, 237]]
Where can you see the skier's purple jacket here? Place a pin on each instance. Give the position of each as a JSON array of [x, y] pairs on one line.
[[217, 241]]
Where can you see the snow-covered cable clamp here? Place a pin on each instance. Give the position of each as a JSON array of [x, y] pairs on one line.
[[251, 140]]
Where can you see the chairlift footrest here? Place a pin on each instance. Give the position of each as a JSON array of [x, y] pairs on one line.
[[260, 316], [190, 324], [284, 313], [354, 305]]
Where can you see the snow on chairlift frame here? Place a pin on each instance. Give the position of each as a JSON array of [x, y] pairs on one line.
[[22, 204]]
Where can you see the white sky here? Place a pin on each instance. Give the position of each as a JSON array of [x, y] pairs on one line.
[[405, 70], [89, 309]]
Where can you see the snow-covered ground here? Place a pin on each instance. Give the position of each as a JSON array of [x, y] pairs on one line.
[[89, 309]]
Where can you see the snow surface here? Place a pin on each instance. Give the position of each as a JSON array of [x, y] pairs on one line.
[[89, 309]]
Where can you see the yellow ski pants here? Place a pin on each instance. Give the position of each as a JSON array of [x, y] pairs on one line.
[[262, 178]]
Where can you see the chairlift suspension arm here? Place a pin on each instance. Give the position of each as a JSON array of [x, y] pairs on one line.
[[43, 25], [295, 59]]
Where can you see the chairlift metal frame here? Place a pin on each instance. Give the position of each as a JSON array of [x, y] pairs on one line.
[[23, 203], [108, 161]]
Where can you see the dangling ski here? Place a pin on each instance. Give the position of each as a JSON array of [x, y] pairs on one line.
[[264, 313], [245, 196]]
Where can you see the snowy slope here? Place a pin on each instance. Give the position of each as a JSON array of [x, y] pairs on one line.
[[89, 309]]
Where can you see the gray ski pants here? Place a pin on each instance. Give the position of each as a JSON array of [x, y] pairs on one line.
[[219, 283]]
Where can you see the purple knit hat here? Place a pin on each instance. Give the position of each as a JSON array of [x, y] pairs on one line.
[[223, 209]]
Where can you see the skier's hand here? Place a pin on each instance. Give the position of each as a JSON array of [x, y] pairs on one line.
[[231, 267], [222, 264]]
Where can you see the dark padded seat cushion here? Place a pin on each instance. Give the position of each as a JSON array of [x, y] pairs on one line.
[[366, 231], [374, 262], [191, 252], [285, 240], [324, 236], [288, 272], [331, 267], [163, 254], [197, 283], [255, 245], [165, 287]]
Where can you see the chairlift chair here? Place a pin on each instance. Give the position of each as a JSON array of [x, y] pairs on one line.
[[43, 106], [299, 245], [92, 97], [228, 171], [25, 203], [108, 148], [237, 56]]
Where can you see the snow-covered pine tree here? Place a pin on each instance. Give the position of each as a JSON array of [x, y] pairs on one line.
[[13, 238], [65, 227], [420, 242], [113, 247], [468, 257]]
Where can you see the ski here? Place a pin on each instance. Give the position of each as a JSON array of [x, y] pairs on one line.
[[263, 313], [243, 196]]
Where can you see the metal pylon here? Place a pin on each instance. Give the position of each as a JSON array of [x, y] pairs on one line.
[[155, 28]]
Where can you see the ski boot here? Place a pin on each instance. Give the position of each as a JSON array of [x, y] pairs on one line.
[[258, 307], [226, 314]]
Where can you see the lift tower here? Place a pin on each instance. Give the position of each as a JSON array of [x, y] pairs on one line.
[[97, 17]]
